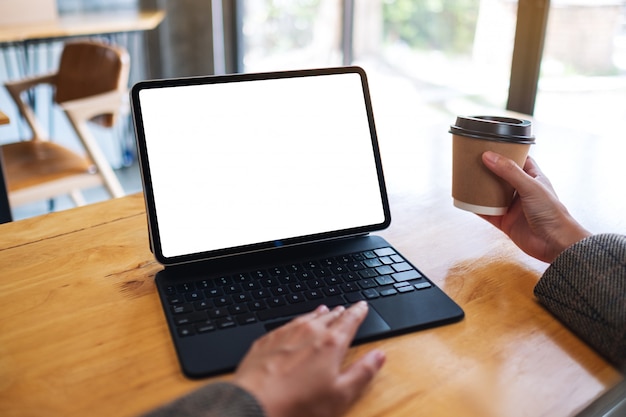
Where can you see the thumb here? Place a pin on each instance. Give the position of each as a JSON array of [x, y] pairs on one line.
[[509, 171]]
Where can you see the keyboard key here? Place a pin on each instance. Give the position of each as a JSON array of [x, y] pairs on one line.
[[175, 299], [304, 275], [237, 309], [225, 323], [385, 270], [401, 267], [345, 259], [182, 308], [186, 331], [338, 269], [422, 285], [247, 318], [384, 252], [397, 258], [369, 254], [275, 302], [349, 287], [328, 262], [355, 266], [204, 284], [232, 289], [241, 277], [315, 283], [368, 283], [295, 298], [370, 293], [372, 263], [269, 282], [384, 280], [277, 271], [358, 257], [202, 305], [280, 290], [351, 276], [287, 279], [333, 290], [258, 274], [353, 297], [387, 292], [322, 272], [216, 313], [406, 275], [257, 305], [311, 265], [183, 319], [251, 285], [261, 293], [368, 273], [241, 297], [222, 301], [194, 296], [221, 281], [205, 327], [186, 287], [213, 292], [313, 294], [333, 280]]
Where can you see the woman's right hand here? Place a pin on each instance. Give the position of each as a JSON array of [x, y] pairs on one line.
[[536, 220]]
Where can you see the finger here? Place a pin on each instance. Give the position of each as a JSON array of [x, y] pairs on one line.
[[358, 376], [319, 311], [332, 315], [494, 220], [509, 171], [348, 323]]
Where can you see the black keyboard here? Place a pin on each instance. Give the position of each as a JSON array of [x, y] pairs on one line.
[[285, 291]]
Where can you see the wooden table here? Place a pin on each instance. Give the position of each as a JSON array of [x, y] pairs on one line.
[[82, 24], [82, 331], [4, 119]]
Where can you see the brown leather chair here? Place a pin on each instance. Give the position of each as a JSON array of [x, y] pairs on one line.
[[90, 86]]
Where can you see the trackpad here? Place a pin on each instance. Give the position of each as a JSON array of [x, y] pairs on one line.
[[373, 325]]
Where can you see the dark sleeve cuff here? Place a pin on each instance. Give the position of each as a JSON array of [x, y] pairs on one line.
[[220, 399], [585, 288]]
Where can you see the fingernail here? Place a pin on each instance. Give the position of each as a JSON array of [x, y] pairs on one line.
[[322, 308], [491, 157]]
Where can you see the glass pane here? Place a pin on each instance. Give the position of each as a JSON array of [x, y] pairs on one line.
[[282, 34], [583, 71], [454, 50], [582, 92]]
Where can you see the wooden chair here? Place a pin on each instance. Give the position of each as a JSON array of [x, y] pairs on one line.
[[90, 86]]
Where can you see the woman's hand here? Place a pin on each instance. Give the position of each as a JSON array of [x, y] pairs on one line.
[[296, 370], [536, 220]]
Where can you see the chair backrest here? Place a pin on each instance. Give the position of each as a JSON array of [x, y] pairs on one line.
[[91, 67]]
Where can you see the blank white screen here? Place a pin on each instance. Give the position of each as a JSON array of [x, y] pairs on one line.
[[247, 162]]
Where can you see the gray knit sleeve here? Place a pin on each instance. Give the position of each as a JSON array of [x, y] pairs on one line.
[[214, 400], [585, 288]]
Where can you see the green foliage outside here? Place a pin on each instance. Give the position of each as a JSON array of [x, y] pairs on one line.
[[445, 25]]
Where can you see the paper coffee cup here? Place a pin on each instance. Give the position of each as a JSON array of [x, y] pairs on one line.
[[474, 187]]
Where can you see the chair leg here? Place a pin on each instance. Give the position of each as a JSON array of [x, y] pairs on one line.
[[77, 198]]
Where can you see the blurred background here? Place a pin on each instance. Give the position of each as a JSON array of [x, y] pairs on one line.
[[559, 61]]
